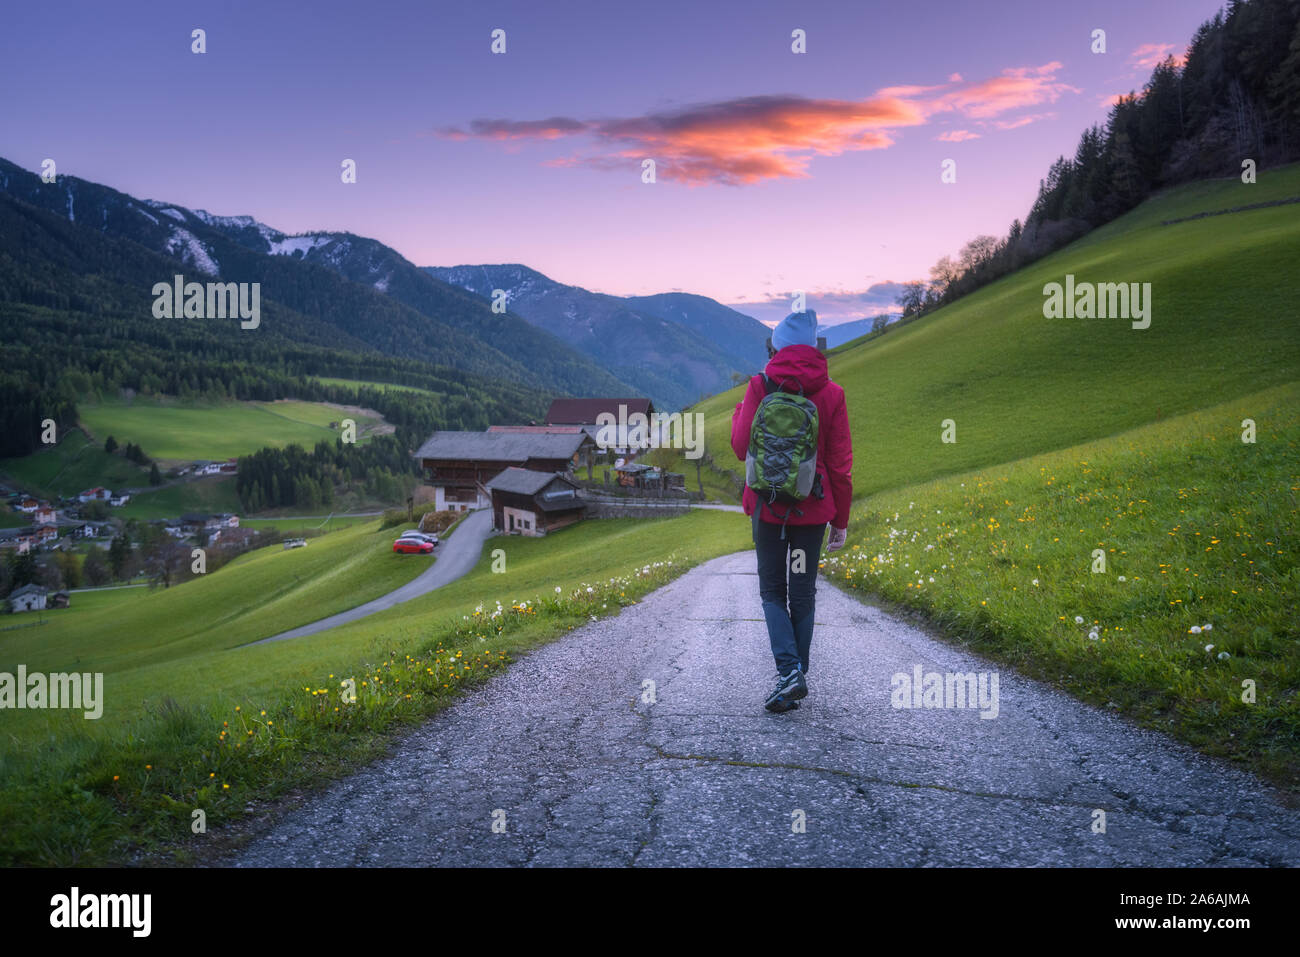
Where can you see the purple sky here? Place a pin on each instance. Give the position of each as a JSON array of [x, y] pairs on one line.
[[776, 171]]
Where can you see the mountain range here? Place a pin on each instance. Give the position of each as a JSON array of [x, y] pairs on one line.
[[340, 290], [674, 347], [843, 332], [359, 287]]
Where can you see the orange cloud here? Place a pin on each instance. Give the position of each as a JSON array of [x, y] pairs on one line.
[[1014, 89], [1149, 55], [750, 139], [1114, 98], [1022, 121]]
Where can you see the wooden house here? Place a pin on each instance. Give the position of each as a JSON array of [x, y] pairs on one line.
[[28, 598], [527, 502], [459, 464]]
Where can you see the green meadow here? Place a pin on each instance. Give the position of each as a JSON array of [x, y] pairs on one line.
[[74, 464], [1223, 325], [360, 383], [1072, 438], [212, 493], [141, 641], [296, 524], [172, 430], [1154, 572], [181, 694], [1074, 435], [82, 603]]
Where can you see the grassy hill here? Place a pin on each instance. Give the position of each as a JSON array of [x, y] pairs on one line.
[[1083, 434], [178, 431], [291, 587], [173, 431], [328, 298], [352, 383], [74, 464], [1200, 534], [1072, 436], [184, 685], [212, 493], [1223, 325]]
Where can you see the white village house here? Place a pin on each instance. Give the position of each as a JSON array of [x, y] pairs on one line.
[[28, 598]]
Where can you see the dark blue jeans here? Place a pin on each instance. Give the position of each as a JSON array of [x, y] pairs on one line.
[[787, 584]]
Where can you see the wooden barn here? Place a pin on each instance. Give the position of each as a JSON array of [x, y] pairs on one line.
[[588, 411], [459, 464], [527, 502], [586, 456]]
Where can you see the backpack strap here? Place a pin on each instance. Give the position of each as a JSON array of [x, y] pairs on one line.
[[769, 386], [790, 510]]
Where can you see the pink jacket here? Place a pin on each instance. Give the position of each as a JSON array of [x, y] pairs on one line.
[[807, 366]]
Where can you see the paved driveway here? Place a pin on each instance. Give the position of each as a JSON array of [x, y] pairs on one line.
[[587, 773], [453, 558]]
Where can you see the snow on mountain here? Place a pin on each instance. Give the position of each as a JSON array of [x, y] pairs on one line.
[[187, 247], [268, 234], [235, 221], [298, 245]]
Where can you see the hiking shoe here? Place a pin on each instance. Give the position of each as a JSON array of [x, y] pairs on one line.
[[789, 689]]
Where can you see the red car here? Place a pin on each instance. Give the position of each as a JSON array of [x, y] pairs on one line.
[[412, 546]]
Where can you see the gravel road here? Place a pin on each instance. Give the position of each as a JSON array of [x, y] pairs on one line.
[[452, 558], [582, 771]]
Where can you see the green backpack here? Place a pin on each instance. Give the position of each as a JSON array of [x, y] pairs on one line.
[[781, 464]]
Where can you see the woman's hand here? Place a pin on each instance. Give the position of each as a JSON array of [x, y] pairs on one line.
[[836, 541]]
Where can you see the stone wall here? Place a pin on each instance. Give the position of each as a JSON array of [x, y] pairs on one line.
[[602, 506]]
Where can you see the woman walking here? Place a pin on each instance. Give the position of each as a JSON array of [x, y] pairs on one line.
[[792, 431]]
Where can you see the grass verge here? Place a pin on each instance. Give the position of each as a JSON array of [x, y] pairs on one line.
[[1189, 625], [274, 718]]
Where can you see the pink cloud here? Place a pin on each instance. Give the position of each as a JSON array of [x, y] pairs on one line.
[[750, 139], [1149, 55], [1113, 98], [1015, 88], [738, 141], [1022, 121]]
